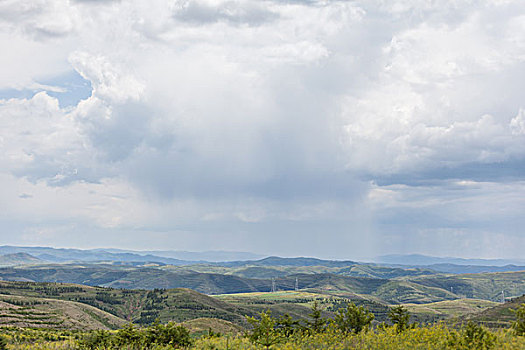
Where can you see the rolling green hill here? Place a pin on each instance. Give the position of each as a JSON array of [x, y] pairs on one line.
[[275, 271], [139, 306], [422, 288], [486, 286], [22, 311], [71, 306], [501, 315], [442, 310]]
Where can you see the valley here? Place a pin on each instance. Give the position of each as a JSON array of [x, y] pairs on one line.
[[102, 294]]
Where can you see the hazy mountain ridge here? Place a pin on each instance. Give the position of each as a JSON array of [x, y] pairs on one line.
[[207, 256], [426, 260], [59, 255], [418, 264], [297, 261], [19, 259]]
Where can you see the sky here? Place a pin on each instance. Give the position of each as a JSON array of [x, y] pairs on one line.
[[335, 129]]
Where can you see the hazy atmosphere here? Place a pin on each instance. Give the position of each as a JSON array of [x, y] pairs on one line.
[[335, 129]]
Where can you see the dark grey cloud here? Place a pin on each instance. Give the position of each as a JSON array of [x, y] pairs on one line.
[[504, 171]]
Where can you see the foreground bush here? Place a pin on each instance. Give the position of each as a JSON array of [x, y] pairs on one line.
[[519, 324], [437, 337], [157, 336]]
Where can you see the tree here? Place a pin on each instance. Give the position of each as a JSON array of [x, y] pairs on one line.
[[264, 332], [399, 316], [286, 325], [353, 318], [317, 323], [519, 324], [169, 334], [3, 342], [477, 337]]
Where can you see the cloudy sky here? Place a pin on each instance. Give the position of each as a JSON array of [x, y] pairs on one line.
[[337, 129]]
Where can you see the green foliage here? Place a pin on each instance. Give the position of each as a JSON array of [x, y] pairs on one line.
[[353, 318], [287, 326], [430, 337], [439, 336], [170, 333], [3, 343], [94, 340], [477, 337], [138, 338], [264, 332], [317, 322], [519, 324], [400, 317], [473, 336]]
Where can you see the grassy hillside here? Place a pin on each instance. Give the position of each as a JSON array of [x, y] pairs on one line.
[[417, 288], [209, 283], [407, 291], [31, 312], [70, 306], [486, 286], [133, 278], [275, 271], [139, 306], [501, 315], [298, 303], [447, 309], [201, 326]]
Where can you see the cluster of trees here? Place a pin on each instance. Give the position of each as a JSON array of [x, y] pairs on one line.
[[131, 337], [268, 330], [519, 324]]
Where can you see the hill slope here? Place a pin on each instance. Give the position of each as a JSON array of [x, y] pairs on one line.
[[501, 315], [19, 259], [139, 306], [31, 312]]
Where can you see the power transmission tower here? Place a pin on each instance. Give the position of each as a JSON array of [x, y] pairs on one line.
[[503, 296], [274, 289], [296, 284]]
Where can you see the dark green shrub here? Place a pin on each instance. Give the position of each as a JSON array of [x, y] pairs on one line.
[[168, 334], [263, 331], [353, 318], [317, 323], [287, 326], [399, 317], [95, 340], [129, 335], [477, 337], [3, 343], [519, 324]]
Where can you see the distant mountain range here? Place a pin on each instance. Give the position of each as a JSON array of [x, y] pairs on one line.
[[278, 261], [209, 256], [19, 259], [58, 255], [13, 256], [425, 260]]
